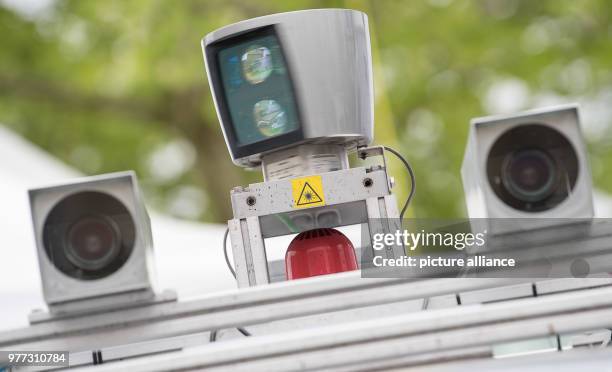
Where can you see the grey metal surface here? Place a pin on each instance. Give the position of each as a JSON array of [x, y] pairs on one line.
[[316, 303], [338, 215], [328, 54], [578, 360], [568, 284], [380, 215], [480, 197], [262, 210], [100, 305], [136, 275], [304, 160], [383, 218], [439, 331], [513, 289], [343, 186], [248, 306]]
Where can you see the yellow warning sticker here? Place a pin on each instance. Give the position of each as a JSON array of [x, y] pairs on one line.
[[307, 192]]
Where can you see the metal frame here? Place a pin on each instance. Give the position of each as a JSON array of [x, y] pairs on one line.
[[315, 303], [131, 283], [256, 206], [482, 202], [407, 339], [321, 317]]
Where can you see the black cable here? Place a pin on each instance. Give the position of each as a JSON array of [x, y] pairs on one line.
[[213, 334], [244, 331], [227, 261], [412, 179], [409, 199]]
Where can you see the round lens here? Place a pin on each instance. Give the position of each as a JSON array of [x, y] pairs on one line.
[[529, 175], [89, 235], [270, 118], [92, 243], [257, 64]]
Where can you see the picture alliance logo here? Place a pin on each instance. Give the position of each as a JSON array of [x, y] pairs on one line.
[[414, 240]]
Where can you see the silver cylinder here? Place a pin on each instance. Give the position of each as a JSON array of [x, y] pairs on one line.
[[304, 160]]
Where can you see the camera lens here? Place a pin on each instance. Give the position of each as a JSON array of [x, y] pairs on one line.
[[532, 167], [93, 242], [529, 175], [257, 64], [89, 235], [270, 117]]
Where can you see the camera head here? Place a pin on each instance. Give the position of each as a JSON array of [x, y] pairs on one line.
[[531, 164], [294, 78], [93, 238]]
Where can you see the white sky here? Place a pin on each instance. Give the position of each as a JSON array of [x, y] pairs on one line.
[[28, 8]]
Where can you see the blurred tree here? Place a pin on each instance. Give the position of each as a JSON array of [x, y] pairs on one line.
[[114, 85]]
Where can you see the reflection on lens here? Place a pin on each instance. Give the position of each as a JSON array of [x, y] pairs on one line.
[[529, 175], [92, 243], [257, 64], [270, 118], [234, 75]]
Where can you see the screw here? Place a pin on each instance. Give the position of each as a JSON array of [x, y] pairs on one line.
[[251, 201], [368, 182]]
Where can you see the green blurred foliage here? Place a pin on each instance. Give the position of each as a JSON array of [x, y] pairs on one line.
[[115, 84]]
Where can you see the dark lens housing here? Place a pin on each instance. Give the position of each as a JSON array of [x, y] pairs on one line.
[[237, 96], [532, 167], [89, 235], [530, 175]]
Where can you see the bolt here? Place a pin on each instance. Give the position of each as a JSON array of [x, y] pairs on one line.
[[251, 201]]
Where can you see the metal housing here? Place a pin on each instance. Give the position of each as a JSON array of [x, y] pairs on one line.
[[353, 196], [134, 276], [328, 55], [482, 202]]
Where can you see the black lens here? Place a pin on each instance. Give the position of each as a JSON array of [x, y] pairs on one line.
[[89, 235], [532, 167], [529, 175], [93, 242]]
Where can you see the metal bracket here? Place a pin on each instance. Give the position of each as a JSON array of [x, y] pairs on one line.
[[263, 210], [368, 152], [100, 305]]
